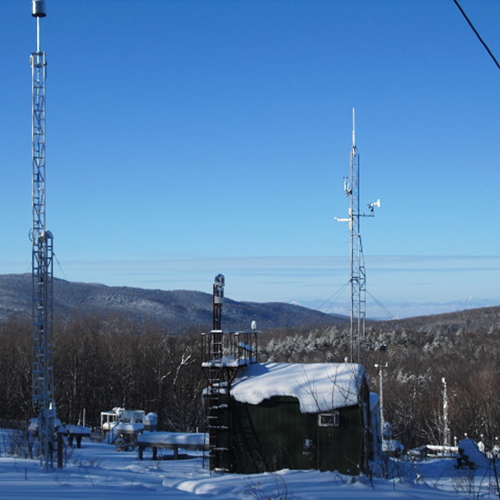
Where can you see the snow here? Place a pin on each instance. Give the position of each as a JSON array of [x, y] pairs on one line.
[[227, 361], [317, 386], [392, 445], [76, 429], [128, 428], [100, 472], [177, 438], [472, 453]]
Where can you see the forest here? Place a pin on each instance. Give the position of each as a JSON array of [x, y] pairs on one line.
[[106, 361]]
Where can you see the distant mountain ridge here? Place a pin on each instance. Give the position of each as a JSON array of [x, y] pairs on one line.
[[178, 309]]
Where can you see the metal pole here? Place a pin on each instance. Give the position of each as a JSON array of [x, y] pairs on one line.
[[381, 389]]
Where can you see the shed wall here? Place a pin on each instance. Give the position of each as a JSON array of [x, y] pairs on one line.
[[274, 435]]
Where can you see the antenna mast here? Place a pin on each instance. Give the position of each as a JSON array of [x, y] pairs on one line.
[[42, 258], [358, 269]]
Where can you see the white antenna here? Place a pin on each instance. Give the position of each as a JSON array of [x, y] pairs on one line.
[[353, 128], [358, 270]]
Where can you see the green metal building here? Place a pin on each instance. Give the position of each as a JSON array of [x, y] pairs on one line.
[[271, 416]]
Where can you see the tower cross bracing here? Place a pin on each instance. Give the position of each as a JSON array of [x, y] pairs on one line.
[[42, 257]]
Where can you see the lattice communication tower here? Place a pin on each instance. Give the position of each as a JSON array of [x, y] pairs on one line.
[[42, 258], [358, 269]]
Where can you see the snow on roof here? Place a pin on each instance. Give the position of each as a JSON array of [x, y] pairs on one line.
[[178, 438], [227, 361], [319, 387], [374, 402]]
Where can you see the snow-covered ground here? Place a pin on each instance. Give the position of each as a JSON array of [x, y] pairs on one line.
[[97, 471]]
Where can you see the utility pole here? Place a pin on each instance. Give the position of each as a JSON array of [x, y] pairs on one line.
[[358, 269], [42, 258]]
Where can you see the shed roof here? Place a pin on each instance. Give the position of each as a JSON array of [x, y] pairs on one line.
[[319, 387]]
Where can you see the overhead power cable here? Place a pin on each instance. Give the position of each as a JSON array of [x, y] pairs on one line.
[[477, 34]]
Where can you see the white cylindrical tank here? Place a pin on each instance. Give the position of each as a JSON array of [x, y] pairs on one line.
[[39, 8]]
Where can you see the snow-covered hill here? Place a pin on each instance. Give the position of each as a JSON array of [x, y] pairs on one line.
[[178, 309]]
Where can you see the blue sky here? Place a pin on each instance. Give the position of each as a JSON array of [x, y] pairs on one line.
[[187, 138]]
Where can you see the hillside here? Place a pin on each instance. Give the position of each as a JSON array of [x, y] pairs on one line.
[[485, 319], [178, 310]]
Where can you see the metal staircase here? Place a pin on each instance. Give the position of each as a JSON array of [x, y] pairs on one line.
[[224, 354]]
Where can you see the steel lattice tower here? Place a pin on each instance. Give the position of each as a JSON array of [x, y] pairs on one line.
[[42, 258], [358, 269]]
